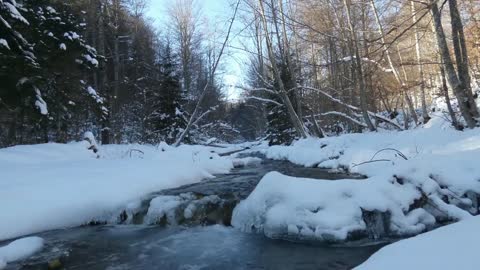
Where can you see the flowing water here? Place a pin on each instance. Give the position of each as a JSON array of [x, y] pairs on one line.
[[210, 246]]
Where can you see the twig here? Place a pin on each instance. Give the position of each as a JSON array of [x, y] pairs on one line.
[[390, 149], [371, 161]]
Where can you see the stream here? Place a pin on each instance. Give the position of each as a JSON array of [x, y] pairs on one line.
[[203, 242]]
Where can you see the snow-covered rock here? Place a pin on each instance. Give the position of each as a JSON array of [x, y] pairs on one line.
[[416, 178], [247, 161], [19, 249], [298, 208], [186, 208]]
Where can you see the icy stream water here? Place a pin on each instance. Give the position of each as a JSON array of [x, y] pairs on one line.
[[116, 247]]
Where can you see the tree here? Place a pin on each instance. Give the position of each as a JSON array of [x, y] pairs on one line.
[[167, 117], [282, 91], [185, 22], [458, 81], [51, 60], [196, 111], [358, 67]]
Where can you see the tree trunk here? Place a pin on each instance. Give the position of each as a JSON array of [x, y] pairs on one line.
[[103, 82], [289, 61], [452, 77], [444, 88], [359, 70], [461, 56], [425, 115], [390, 62], [297, 124]]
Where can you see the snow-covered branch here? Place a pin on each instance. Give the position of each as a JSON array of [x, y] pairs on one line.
[[265, 100], [260, 89], [344, 115], [353, 108], [210, 110], [368, 60]]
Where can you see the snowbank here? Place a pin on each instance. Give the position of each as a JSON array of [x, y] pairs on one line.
[[415, 179], [19, 250], [299, 208], [450, 247], [52, 186]]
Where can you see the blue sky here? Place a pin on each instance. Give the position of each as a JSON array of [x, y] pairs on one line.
[[218, 12]]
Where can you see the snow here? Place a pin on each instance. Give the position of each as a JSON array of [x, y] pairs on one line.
[[63, 47], [13, 12], [162, 206], [166, 208], [91, 60], [94, 95], [4, 43], [51, 9], [322, 210], [52, 186], [449, 247], [71, 35], [440, 166], [40, 103], [20, 249]]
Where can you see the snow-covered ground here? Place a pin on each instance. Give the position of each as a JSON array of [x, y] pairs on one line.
[[415, 178], [50, 186], [450, 247]]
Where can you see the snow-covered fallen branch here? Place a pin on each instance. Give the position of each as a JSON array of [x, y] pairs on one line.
[[353, 108]]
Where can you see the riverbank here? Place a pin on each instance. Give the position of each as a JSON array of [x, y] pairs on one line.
[[52, 186], [416, 179]]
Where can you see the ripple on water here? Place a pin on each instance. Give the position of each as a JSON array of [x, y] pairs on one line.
[[211, 247]]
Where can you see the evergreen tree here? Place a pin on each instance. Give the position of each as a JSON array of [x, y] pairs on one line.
[[43, 70], [167, 118]]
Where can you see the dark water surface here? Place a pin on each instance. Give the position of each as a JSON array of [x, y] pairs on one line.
[[115, 247]]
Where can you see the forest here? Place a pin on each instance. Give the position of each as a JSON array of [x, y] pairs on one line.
[[313, 67], [239, 134]]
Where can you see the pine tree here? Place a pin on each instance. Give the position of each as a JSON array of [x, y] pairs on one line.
[[43, 69], [167, 118]]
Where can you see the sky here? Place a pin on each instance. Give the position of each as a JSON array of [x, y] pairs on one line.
[[218, 12]]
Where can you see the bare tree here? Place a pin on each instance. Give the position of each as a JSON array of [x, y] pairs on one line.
[[196, 112], [296, 122], [358, 67], [459, 87], [185, 22], [402, 84]]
